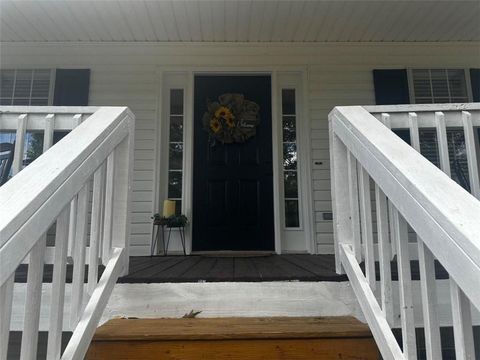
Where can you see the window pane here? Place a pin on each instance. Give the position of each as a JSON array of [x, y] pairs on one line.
[[291, 184], [176, 101], [439, 83], [175, 156], [457, 83], [59, 135], [6, 83], [34, 146], [291, 214], [23, 84], [439, 86], [289, 129], [458, 158], [178, 207], [40, 102], [428, 146], [176, 128], [421, 83], [41, 83], [290, 156], [174, 184], [288, 101], [7, 137], [21, 101]]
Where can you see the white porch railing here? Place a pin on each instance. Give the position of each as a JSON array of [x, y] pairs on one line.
[[409, 190], [56, 189]]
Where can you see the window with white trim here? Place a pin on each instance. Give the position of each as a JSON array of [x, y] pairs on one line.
[[439, 86], [290, 159], [175, 149], [25, 87]]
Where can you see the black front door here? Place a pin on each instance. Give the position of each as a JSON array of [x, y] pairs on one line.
[[233, 183]]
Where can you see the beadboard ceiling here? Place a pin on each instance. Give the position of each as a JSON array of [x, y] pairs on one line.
[[238, 21]]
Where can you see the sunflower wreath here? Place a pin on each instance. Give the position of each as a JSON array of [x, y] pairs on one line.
[[231, 119]]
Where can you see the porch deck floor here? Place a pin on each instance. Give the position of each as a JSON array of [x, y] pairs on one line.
[[197, 268], [159, 269]]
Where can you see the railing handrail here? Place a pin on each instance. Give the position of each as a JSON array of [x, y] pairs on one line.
[[399, 114], [37, 186], [409, 190], [55, 190], [406, 108], [65, 117], [431, 202]]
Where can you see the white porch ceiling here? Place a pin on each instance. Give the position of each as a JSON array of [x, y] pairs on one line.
[[238, 21]]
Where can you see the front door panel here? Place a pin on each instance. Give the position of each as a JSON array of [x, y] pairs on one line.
[[233, 183]]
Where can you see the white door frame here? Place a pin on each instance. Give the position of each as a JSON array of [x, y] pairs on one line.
[[188, 136]]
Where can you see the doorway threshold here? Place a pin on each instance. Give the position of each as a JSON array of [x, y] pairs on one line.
[[233, 253]]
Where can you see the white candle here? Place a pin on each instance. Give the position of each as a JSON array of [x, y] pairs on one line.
[[168, 208]]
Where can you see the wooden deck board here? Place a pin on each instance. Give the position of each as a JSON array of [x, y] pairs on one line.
[[234, 339], [195, 268], [200, 270], [244, 269], [232, 328], [222, 270]]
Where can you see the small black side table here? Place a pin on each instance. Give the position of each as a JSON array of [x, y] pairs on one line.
[[161, 225]]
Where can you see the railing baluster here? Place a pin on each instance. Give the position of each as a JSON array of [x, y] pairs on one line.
[[385, 118], [471, 154], [78, 277], [462, 323], [342, 226], [366, 225], [33, 300], [354, 209], [427, 274], [426, 262], [95, 227], [384, 254], [72, 225], [405, 285], [58, 286], [108, 214], [442, 143], [6, 297], [77, 120], [48, 132], [21, 133]]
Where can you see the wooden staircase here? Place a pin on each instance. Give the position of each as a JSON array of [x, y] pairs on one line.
[[234, 338]]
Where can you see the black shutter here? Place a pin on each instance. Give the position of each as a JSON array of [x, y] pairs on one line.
[[391, 87], [475, 80], [71, 87]]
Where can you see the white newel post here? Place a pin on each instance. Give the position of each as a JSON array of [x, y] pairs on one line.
[[342, 221], [122, 192]]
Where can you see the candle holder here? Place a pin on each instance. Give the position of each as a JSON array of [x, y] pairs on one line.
[[175, 221]]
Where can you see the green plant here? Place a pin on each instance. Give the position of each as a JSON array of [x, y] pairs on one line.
[[172, 221]]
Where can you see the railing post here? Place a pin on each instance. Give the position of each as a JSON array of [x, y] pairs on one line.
[[122, 192], [342, 222]]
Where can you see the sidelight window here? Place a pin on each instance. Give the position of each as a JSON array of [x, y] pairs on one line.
[[290, 159], [175, 152]]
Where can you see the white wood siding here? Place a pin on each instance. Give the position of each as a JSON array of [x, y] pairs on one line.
[[337, 74]]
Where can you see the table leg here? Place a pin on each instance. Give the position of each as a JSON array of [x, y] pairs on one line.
[[182, 238], [152, 244]]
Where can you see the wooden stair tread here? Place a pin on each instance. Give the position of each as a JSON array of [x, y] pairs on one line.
[[231, 328]]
